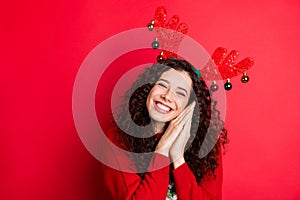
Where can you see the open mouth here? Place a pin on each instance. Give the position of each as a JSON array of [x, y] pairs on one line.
[[163, 108]]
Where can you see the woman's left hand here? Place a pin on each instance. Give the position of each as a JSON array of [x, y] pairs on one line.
[[177, 148]]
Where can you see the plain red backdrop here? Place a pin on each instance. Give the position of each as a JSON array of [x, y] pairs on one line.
[[43, 44]]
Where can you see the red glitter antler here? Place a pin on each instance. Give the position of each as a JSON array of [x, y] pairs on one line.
[[168, 40], [170, 34], [224, 68]]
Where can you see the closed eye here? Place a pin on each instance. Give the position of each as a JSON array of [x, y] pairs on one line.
[[162, 84], [181, 94]]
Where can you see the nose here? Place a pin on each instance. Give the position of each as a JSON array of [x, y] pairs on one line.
[[167, 95]]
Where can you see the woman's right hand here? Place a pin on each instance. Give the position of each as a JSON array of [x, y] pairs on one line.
[[179, 125]]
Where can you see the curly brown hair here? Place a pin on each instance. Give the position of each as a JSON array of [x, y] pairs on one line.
[[207, 126]]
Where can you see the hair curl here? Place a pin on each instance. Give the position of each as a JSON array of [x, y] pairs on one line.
[[206, 122]]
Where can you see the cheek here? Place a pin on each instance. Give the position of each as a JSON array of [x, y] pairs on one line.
[[182, 104], [148, 101], [155, 92], [150, 98]]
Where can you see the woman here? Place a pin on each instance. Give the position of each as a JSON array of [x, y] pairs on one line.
[[170, 115]]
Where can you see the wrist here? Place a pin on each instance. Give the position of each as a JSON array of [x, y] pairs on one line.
[[178, 162], [162, 152]]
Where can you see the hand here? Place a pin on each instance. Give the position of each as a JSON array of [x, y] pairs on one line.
[[177, 134], [178, 146]]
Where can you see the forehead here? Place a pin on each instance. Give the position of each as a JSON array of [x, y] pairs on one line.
[[177, 78]]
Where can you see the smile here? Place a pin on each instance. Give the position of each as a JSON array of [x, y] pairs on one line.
[[162, 108]]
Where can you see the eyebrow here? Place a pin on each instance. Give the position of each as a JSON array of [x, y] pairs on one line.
[[181, 88]]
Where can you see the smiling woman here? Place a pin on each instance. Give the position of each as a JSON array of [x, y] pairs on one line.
[[169, 96], [171, 115]]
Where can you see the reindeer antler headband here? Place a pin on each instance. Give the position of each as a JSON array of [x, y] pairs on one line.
[[226, 65]]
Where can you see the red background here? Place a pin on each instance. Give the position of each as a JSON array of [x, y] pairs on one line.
[[44, 43]]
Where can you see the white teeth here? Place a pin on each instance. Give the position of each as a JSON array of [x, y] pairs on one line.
[[163, 107]]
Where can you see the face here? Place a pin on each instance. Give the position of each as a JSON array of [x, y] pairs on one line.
[[169, 96]]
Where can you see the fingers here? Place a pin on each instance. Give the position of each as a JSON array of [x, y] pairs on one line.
[[187, 127], [187, 120], [181, 120], [177, 133], [184, 113], [177, 125], [178, 146], [185, 134]]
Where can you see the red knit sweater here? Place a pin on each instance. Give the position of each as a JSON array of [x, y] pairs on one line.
[[128, 186]]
